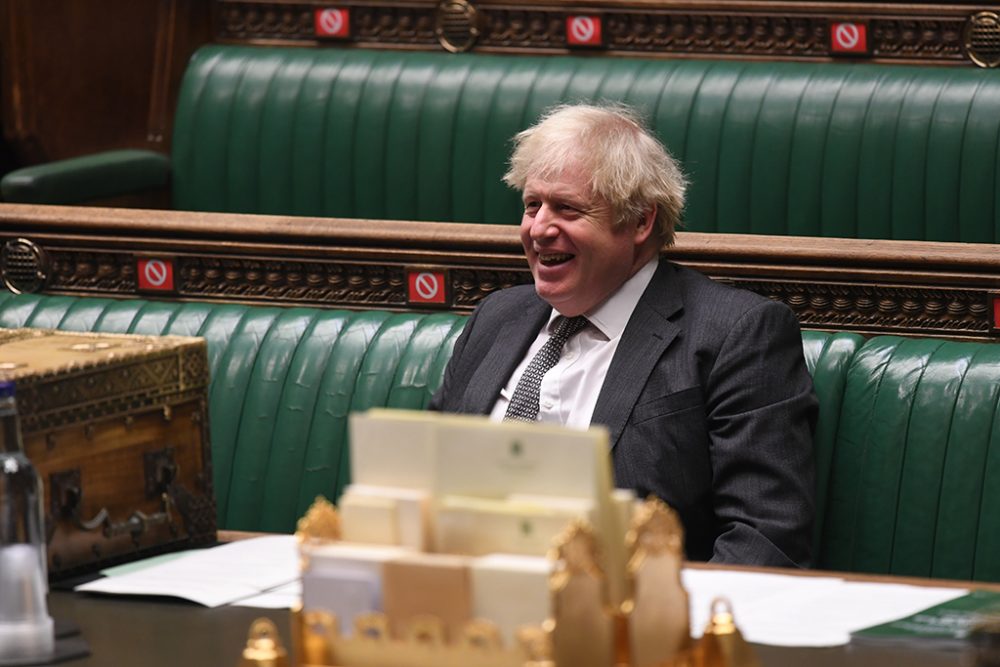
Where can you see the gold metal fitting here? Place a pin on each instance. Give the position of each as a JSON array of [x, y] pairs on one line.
[[722, 644], [264, 647]]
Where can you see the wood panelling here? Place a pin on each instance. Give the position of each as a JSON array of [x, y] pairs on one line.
[[80, 77]]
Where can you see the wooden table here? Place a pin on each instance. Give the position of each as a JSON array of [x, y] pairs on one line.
[[143, 632]]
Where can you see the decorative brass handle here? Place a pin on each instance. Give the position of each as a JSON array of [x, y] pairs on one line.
[[135, 525]]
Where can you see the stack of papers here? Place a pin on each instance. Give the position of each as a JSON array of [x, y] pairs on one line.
[[259, 572], [789, 610], [772, 609]]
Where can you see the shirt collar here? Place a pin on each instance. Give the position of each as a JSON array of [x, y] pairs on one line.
[[611, 316]]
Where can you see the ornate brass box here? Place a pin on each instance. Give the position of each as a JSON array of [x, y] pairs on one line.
[[117, 426]]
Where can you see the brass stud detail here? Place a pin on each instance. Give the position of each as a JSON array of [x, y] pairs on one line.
[[981, 39], [24, 266], [456, 25]]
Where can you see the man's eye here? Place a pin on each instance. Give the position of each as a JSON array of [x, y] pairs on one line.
[[531, 206]]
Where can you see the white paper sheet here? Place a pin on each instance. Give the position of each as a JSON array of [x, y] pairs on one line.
[[774, 609], [788, 610], [282, 597], [212, 577]]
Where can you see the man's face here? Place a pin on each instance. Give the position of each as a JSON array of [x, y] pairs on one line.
[[577, 257]]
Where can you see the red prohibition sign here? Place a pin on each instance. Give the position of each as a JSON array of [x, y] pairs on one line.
[[427, 286], [332, 21], [582, 28], [155, 272], [847, 35]]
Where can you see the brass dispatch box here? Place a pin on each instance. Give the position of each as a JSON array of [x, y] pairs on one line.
[[117, 426]]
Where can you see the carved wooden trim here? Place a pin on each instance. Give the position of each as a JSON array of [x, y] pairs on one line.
[[905, 287], [954, 312], [775, 29]]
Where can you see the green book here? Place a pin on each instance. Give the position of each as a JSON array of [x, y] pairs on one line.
[[944, 626]]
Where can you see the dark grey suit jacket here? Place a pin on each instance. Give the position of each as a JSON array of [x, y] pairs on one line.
[[707, 400]]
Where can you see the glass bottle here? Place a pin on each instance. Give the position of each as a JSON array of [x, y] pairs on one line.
[[26, 629]]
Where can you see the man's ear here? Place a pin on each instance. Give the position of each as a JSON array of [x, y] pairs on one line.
[[644, 228]]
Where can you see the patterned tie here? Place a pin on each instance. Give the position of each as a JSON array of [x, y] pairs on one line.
[[523, 404]]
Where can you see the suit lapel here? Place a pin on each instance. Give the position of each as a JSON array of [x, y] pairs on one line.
[[512, 341], [649, 332]]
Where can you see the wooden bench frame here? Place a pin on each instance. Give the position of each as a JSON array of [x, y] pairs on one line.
[[869, 286], [897, 32]]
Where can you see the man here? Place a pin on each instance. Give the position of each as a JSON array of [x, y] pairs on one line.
[[702, 387]]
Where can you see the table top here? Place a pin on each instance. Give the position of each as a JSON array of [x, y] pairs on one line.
[[161, 632], [146, 632]]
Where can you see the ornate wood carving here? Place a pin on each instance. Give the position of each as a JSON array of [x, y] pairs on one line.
[[738, 35], [911, 287], [915, 32], [470, 286], [353, 284], [849, 307], [97, 272]]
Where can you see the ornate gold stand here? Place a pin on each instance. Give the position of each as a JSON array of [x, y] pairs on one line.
[[651, 628]]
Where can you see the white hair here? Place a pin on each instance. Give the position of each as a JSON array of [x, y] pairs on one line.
[[629, 168]]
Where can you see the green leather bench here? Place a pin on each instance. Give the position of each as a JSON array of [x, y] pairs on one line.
[[283, 381], [809, 149], [907, 445]]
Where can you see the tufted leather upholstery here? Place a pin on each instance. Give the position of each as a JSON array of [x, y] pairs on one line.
[[809, 149], [915, 476], [828, 357], [907, 444], [775, 148]]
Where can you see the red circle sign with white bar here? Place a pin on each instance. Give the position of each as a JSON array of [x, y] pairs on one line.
[[427, 287], [848, 37], [332, 22], [155, 274], [583, 30]]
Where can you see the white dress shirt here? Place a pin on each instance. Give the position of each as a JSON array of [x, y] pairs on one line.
[[570, 389]]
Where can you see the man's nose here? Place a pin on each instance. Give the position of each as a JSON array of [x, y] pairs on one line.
[[542, 225]]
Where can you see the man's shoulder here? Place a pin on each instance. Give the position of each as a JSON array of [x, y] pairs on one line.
[[707, 296]]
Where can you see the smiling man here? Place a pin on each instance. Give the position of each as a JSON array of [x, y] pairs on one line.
[[702, 387]]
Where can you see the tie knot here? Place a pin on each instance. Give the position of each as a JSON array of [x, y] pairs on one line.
[[566, 327]]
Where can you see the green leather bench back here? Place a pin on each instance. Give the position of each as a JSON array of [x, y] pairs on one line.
[[828, 357], [854, 150], [915, 478], [907, 444]]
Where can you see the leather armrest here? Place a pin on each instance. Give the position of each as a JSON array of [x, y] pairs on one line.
[[88, 177]]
